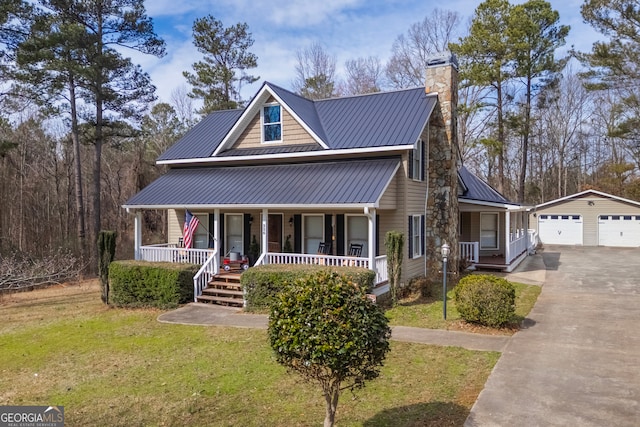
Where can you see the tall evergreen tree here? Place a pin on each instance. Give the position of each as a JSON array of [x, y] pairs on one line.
[[485, 59], [219, 76], [534, 35]]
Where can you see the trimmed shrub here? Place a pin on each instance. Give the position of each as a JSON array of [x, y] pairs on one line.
[[485, 299], [150, 284], [261, 284]]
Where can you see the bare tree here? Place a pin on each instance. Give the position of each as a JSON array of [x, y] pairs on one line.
[[315, 73], [423, 39], [364, 75]]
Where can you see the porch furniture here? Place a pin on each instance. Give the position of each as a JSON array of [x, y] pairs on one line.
[[355, 249], [324, 248]]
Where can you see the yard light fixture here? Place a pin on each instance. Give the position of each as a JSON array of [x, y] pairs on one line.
[[445, 254]]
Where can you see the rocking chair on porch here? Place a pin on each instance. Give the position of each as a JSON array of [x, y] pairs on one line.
[[355, 250], [324, 248]]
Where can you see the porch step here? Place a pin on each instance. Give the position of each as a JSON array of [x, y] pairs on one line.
[[224, 289]]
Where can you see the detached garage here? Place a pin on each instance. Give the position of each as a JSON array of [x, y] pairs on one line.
[[589, 218]]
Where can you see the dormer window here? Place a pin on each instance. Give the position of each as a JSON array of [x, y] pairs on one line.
[[271, 123]]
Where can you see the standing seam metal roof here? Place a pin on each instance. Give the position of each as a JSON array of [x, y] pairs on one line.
[[380, 119], [479, 190], [335, 183]]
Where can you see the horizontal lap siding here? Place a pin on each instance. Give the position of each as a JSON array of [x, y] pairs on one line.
[[590, 213], [292, 133], [174, 225], [415, 192]]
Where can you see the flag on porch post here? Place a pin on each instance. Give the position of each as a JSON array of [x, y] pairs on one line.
[[190, 224]]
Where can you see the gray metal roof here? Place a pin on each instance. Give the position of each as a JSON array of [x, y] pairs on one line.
[[204, 137], [478, 190], [365, 121], [335, 183], [258, 151]]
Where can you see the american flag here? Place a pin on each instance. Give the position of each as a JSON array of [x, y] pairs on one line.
[[190, 224]]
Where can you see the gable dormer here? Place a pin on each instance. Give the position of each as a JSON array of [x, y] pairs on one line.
[[269, 121]]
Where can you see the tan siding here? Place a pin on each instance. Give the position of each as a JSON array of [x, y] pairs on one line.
[[292, 133], [414, 204], [174, 225], [590, 213], [389, 199]]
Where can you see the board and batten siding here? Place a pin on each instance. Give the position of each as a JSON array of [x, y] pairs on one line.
[[292, 133], [589, 211]]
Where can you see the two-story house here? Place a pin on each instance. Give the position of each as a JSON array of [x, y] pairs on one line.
[[316, 181]]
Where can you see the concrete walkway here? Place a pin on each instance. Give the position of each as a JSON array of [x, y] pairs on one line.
[[530, 271], [578, 361], [212, 315]]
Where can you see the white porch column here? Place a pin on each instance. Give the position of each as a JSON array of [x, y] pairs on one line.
[[507, 227], [371, 215], [264, 231], [137, 235], [216, 231]]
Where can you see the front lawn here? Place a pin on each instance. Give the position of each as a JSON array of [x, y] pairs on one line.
[[422, 312], [116, 367]]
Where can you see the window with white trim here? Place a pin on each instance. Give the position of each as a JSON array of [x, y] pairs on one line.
[[416, 236], [417, 159], [313, 232], [234, 230], [358, 232], [271, 123], [488, 231]]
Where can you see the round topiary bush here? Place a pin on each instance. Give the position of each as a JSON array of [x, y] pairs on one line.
[[485, 299]]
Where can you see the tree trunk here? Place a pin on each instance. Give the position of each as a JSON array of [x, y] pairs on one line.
[[77, 170], [501, 141], [525, 144], [331, 395]]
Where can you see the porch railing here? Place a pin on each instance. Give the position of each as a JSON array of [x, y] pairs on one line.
[[170, 252], [205, 274], [380, 266], [517, 247], [533, 238], [470, 251]]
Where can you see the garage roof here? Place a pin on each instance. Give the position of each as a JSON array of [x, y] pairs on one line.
[[586, 193]]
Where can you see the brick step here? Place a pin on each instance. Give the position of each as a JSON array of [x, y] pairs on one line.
[[234, 302]]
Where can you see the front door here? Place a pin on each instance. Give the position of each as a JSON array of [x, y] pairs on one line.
[[275, 233]]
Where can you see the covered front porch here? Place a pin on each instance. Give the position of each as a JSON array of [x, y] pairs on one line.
[[494, 237], [256, 237]]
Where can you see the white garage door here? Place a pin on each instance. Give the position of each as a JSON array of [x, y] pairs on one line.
[[619, 230], [560, 229]]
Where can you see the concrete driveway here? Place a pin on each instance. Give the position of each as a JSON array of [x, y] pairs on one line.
[[578, 361]]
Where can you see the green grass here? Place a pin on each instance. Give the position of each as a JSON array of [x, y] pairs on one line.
[[424, 312], [115, 367]]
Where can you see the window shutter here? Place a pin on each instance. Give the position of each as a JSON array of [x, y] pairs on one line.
[[210, 232], [328, 231], [410, 238], [297, 234], [247, 234], [340, 234], [221, 247], [423, 164], [422, 234], [410, 167]]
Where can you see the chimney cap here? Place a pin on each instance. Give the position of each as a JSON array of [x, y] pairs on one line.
[[442, 58]]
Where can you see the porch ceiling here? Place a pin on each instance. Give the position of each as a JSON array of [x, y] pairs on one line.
[[344, 184]]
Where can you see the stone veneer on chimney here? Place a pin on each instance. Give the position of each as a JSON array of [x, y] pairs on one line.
[[442, 201]]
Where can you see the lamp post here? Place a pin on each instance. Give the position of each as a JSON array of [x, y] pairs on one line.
[[445, 255]]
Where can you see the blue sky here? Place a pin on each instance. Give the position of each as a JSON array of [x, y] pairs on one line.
[[346, 28]]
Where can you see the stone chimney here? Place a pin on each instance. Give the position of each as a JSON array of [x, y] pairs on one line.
[[442, 199]]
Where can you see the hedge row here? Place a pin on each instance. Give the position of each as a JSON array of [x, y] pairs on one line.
[[150, 284], [261, 284]]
